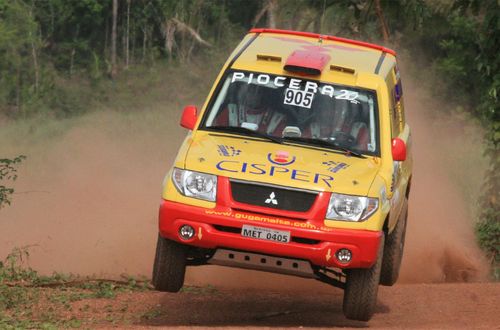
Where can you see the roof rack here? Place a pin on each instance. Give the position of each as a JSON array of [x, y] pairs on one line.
[[326, 37]]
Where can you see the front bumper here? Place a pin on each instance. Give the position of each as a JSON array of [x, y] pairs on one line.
[[220, 228]]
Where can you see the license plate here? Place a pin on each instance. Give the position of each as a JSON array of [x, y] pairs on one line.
[[267, 234]]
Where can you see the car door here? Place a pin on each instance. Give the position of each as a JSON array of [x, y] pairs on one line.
[[401, 169]]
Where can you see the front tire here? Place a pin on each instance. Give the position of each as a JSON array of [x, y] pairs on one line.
[[393, 251], [360, 294], [169, 266]]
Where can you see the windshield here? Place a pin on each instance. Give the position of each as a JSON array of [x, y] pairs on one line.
[[296, 109]]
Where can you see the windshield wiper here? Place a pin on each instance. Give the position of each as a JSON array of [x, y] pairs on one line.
[[247, 131], [325, 143]]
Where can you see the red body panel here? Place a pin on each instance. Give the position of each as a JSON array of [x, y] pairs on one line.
[[325, 37], [306, 226]]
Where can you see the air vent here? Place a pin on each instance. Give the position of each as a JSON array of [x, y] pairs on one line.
[[306, 62], [342, 69], [270, 58]]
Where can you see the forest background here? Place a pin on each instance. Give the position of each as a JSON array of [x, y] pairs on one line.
[[60, 59]]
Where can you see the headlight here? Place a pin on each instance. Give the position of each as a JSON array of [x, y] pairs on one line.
[[195, 184], [351, 208]]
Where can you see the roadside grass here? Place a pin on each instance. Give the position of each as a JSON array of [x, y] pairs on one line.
[[30, 300], [206, 290]]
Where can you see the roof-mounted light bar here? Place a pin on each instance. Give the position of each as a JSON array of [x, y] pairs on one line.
[[306, 62], [324, 37]]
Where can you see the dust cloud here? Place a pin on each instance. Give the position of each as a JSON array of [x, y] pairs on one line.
[[87, 204], [440, 242]]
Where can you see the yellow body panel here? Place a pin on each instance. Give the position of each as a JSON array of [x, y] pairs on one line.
[[371, 176], [310, 168]]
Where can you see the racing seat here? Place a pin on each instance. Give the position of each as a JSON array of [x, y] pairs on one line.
[[359, 127], [230, 104]]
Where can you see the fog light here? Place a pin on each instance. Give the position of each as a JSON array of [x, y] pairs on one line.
[[186, 232], [344, 256]]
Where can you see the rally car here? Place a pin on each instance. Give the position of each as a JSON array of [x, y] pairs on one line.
[[299, 163]]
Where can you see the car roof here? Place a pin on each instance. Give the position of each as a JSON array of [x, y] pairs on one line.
[[279, 45]]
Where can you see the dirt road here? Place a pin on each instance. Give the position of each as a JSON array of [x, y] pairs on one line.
[[278, 302], [410, 306]]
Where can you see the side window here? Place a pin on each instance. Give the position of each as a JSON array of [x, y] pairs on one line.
[[395, 127], [398, 99], [396, 102]]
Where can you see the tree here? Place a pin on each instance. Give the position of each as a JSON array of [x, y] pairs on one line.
[[114, 69], [383, 23], [127, 42], [269, 7], [19, 67], [8, 171]]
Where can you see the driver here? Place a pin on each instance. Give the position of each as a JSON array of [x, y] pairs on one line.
[[253, 107], [323, 120], [332, 120]]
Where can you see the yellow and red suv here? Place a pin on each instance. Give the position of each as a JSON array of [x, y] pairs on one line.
[[298, 163]]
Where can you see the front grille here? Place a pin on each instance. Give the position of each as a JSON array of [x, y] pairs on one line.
[[273, 196]]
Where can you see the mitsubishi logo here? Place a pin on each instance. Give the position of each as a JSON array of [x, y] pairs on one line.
[[272, 199]]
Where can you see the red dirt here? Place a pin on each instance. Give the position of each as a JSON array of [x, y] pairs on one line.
[[413, 306]]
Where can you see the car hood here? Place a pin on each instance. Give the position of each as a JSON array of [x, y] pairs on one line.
[[297, 166]]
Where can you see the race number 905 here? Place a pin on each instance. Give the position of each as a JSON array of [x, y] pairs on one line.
[[298, 98]]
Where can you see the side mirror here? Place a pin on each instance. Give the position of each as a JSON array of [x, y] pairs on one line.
[[189, 117], [398, 150]]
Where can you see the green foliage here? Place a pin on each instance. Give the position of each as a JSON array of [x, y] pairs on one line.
[[488, 233], [30, 300], [488, 227], [471, 65], [206, 290], [12, 270], [54, 54], [151, 314], [8, 171], [19, 44]]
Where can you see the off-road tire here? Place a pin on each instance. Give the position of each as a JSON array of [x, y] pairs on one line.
[[169, 266], [360, 294], [393, 251]]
